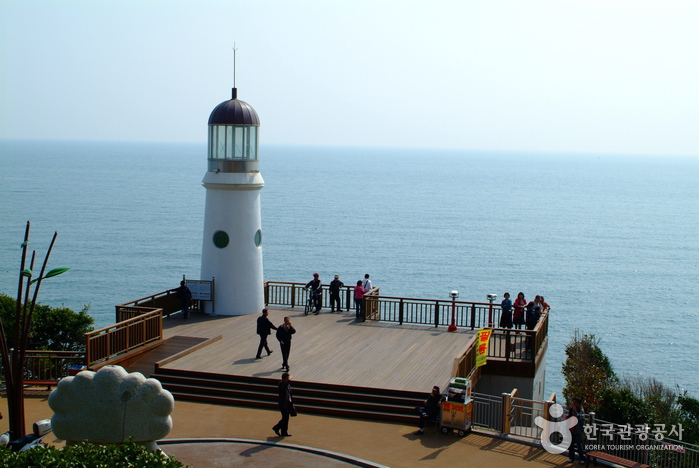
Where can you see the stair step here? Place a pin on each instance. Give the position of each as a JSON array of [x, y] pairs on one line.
[[301, 408], [309, 397], [299, 391], [270, 398]]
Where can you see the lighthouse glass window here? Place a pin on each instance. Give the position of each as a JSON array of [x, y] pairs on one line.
[[233, 142]]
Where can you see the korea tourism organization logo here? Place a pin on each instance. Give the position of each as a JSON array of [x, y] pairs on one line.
[[550, 428], [613, 436]]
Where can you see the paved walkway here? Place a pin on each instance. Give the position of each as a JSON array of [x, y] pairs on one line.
[[387, 444]]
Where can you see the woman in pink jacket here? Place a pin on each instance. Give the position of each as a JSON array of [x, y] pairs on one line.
[[359, 301]]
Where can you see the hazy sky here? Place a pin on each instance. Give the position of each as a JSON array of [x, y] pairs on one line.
[[580, 76]]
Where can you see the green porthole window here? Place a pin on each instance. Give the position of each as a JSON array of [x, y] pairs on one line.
[[221, 239], [258, 238]]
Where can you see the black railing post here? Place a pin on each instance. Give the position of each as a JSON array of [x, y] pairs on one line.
[[293, 296], [400, 312], [508, 345], [473, 316], [436, 314]]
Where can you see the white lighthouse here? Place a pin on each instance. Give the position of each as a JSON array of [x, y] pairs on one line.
[[232, 246]]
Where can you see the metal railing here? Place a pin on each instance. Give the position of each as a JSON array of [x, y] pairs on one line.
[[434, 312], [115, 340], [401, 310], [166, 300], [49, 367], [523, 415], [487, 412], [518, 345], [292, 294]]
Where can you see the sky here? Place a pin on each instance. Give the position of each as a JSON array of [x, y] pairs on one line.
[[613, 77]]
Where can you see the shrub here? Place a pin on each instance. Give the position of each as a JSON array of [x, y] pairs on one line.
[[124, 455], [587, 371], [54, 329], [621, 406]]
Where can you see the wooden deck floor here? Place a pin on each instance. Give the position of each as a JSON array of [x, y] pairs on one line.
[[327, 348]]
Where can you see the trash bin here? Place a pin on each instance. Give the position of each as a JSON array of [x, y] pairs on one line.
[[75, 369]]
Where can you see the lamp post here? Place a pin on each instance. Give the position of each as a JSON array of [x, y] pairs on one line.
[[491, 298], [454, 295]]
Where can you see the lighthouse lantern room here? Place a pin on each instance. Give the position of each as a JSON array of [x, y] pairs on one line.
[[232, 245]]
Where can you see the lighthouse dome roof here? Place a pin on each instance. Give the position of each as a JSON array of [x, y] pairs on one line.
[[234, 112]]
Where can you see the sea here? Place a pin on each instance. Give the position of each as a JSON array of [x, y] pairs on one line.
[[610, 241]]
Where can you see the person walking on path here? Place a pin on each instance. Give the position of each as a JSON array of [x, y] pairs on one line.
[[334, 290], [366, 284], [264, 327], [284, 333], [185, 297], [286, 406], [316, 289], [359, 301]]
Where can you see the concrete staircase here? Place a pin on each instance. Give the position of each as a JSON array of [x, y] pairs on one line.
[[309, 397]]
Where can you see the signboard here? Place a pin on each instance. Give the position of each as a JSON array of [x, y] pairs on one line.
[[201, 290], [482, 346]]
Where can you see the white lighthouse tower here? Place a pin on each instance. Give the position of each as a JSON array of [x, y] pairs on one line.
[[232, 246]]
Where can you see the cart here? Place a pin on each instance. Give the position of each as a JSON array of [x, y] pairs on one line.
[[458, 409]]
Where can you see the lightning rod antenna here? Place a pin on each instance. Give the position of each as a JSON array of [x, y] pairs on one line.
[[234, 51]]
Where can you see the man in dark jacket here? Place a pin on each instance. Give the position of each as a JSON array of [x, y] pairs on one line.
[[185, 297], [430, 410], [334, 290], [286, 406], [264, 327], [284, 333], [576, 416]]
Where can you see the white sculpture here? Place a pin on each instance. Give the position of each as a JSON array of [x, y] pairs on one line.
[[110, 406]]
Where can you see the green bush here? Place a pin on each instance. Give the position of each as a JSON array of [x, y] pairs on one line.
[[621, 406], [688, 415], [88, 455], [53, 328], [587, 371]]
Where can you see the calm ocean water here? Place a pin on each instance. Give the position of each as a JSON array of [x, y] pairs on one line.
[[610, 241]]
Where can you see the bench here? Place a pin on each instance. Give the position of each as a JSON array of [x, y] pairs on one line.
[[612, 459], [41, 383]]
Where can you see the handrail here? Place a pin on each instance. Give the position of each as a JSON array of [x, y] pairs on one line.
[[50, 366], [165, 300], [507, 344], [292, 294], [120, 338], [465, 364]]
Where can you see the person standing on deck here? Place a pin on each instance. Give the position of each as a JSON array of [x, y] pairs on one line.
[[185, 297], [366, 284], [284, 333], [519, 305], [334, 290], [264, 327], [286, 406], [359, 301], [506, 315]]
